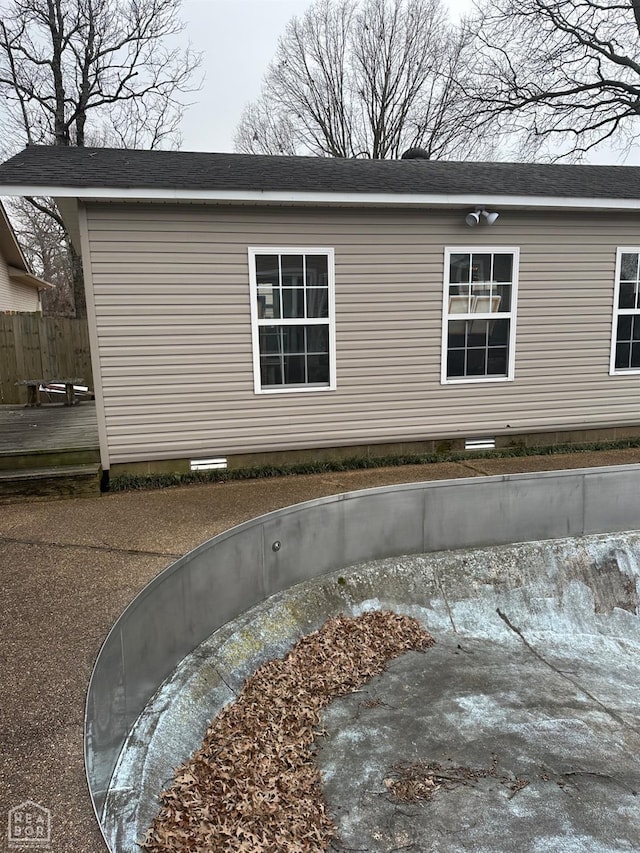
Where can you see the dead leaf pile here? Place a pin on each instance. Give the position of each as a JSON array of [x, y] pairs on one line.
[[253, 786]]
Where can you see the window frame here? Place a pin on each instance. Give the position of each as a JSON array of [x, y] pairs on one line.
[[617, 311], [257, 323], [510, 315]]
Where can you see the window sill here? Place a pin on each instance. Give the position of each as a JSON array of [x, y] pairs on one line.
[[296, 389], [480, 380]]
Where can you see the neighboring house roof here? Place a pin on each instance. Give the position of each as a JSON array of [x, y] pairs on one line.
[[18, 266], [122, 173]]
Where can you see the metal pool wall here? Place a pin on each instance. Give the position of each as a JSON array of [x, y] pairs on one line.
[[228, 574]]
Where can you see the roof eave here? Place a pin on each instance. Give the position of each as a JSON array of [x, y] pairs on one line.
[[337, 199], [9, 246], [23, 277]]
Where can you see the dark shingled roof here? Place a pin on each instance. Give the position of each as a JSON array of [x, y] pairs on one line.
[[52, 167]]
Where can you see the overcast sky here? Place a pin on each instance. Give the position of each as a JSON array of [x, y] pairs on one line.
[[238, 39]]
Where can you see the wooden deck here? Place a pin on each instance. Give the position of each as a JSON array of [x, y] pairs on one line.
[[49, 452], [49, 429]]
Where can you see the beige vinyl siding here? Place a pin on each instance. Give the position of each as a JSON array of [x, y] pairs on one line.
[[174, 331], [5, 287], [13, 296]]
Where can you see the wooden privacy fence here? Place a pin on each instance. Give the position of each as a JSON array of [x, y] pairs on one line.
[[37, 347]]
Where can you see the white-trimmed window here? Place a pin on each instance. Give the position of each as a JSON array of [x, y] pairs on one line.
[[292, 318], [625, 349], [479, 314]]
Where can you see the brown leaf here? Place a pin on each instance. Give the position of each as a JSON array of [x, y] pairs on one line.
[[253, 785]]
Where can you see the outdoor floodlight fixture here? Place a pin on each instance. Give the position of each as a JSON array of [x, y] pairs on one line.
[[473, 218]]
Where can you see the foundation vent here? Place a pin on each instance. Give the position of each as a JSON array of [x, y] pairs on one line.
[[208, 464], [480, 444]]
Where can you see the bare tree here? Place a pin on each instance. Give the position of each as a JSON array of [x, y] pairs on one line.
[[44, 243], [367, 78], [77, 72], [263, 130], [567, 70]]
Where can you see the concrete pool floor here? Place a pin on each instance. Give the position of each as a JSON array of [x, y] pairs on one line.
[[532, 688], [577, 763]]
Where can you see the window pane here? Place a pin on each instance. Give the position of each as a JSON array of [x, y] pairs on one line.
[[497, 361], [317, 339], [636, 327], [457, 333], [635, 354], [503, 267], [292, 302], [627, 298], [629, 267], [271, 370], [623, 353], [459, 268], [504, 292], [481, 267], [477, 333], [294, 339], [268, 281], [270, 341], [317, 271], [268, 302], [292, 271], [318, 369], [476, 359], [624, 327], [455, 363], [294, 373], [499, 333], [318, 302], [267, 269]]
